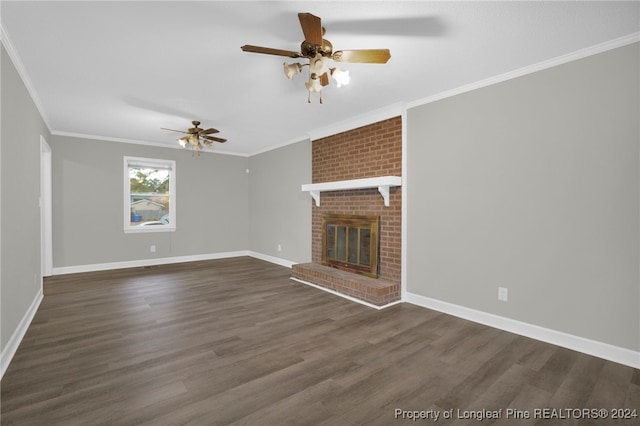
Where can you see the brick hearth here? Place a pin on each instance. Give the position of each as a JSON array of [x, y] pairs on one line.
[[378, 292]]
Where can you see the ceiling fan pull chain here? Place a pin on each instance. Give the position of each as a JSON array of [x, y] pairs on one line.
[[320, 97]]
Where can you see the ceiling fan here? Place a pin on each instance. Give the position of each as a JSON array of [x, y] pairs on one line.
[[319, 51], [197, 138]]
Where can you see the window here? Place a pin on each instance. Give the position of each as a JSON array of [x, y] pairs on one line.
[[149, 195]]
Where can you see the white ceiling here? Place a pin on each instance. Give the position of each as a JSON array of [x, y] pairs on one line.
[[121, 70]]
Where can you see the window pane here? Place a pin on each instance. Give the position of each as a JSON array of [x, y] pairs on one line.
[[149, 193]]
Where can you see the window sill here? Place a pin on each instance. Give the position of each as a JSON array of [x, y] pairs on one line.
[[146, 229]]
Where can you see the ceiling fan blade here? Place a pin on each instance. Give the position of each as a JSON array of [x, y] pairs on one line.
[[270, 51], [171, 130], [209, 131], [324, 79], [213, 138], [371, 56], [311, 27]]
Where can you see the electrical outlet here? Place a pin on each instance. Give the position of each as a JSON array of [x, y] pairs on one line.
[[279, 247], [503, 294], [152, 248]]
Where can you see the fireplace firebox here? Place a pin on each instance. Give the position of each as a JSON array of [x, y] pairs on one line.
[[350, 243]]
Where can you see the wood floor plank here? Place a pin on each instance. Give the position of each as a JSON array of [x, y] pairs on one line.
[[235, 341], [528, 397], [576, 389]]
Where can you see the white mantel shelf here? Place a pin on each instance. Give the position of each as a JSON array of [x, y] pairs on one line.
[[383, 183]]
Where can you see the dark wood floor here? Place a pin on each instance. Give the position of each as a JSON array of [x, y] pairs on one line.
[[235, 341]]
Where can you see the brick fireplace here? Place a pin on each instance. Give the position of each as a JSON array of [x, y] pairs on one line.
[[367, 152]]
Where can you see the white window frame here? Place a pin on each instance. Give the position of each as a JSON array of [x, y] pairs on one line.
[[151, 163]]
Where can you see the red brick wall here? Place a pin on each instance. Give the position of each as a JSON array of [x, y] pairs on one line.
[[369, 151]]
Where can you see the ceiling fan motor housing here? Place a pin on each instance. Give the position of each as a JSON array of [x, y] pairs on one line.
[[309, 50]]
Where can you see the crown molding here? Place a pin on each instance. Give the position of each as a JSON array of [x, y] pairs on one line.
[[136, 142], [22, 72], [370, 117], [530, 69], [304, 138]]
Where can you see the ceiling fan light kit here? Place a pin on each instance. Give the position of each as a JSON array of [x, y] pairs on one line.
[[341, 77], [291, 70], [319, 52], [196, 138]]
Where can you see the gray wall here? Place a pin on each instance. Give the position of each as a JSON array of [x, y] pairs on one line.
[[22, 126], [533, 185], [279, 212], [211, 198]]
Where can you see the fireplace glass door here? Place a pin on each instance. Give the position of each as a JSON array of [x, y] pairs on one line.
[[350, 242]]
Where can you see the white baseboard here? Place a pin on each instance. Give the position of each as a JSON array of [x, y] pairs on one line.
[[146, 262], [12, 345], [272, 259], [353, 299], [580, 344], [168, 260]]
